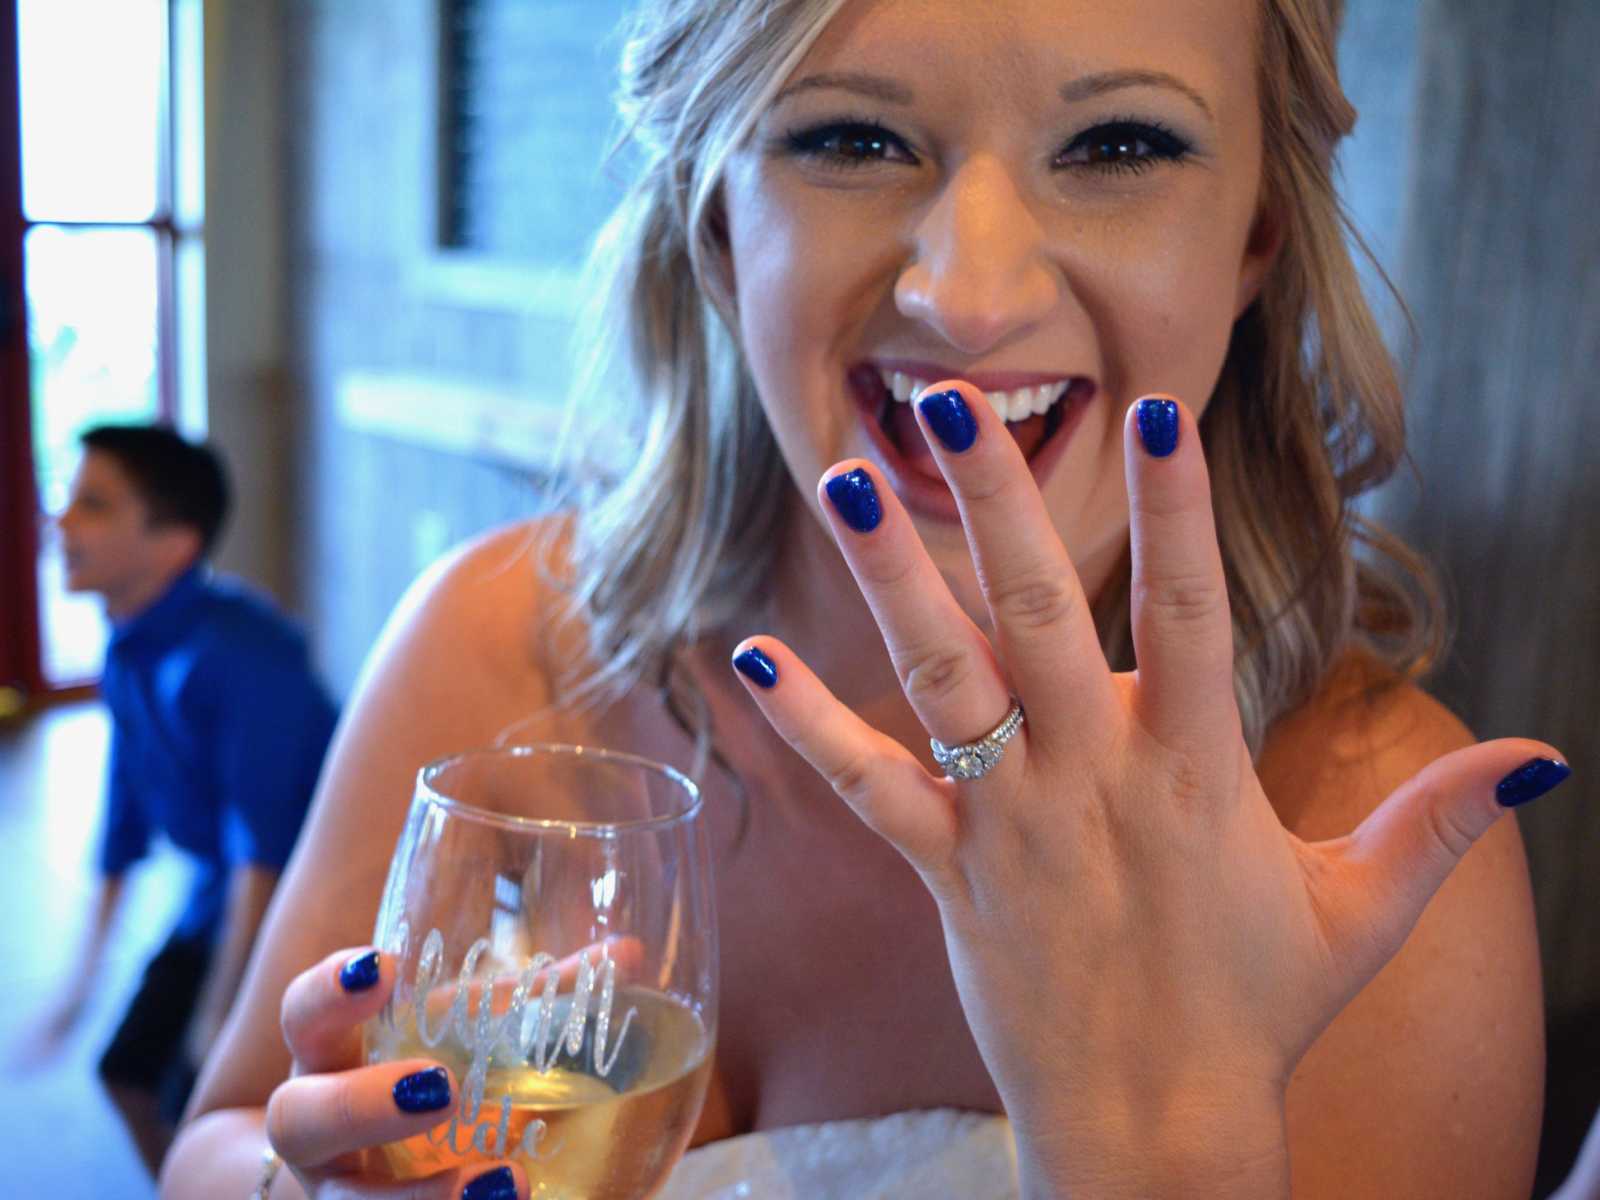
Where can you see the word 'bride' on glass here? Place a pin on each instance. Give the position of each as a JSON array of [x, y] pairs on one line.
[[579, 1021]]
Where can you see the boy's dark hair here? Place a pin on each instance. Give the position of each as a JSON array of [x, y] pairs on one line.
[[180, 482]]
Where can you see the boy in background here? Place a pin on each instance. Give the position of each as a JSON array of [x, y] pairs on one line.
[[219, 727]]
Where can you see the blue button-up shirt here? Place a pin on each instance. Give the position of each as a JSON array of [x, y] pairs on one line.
[[218, 731]]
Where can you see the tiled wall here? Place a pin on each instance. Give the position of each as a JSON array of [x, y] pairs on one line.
[[360, 76]]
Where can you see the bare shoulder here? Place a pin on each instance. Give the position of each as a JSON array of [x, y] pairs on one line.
[[463, 657], [1430, 1083], [1330, 762], [483, 607]]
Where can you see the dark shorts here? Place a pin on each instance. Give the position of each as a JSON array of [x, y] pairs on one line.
[[147, 1051]]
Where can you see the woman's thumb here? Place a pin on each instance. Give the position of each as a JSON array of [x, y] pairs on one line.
[[1408, 846]]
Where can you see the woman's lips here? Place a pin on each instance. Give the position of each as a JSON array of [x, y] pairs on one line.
[[904, 456]]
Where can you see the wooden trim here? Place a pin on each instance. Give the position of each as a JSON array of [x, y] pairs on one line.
[[35, 704], [162, 222], [166, 327], [166, 245], [19, 502]]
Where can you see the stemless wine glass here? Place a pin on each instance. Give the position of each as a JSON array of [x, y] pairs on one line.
[[550, 909]]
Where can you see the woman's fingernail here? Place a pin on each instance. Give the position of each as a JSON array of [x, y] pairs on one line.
[[498, 1184], [360, 973], [423, 1091], [757, 667], [1530, 781], [856, 500], [950, 419], [1158, 426]]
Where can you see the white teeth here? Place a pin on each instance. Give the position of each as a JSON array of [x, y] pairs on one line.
[[1015, 405], [1022, 403]]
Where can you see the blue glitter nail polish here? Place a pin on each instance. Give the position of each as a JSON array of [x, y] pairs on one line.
[[757, 667], [423, 1091], [360, 973], [1158, 426], [498, 1184], [950, 419], [856, 500], [1530, 781]]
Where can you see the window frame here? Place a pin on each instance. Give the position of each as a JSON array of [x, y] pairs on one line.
[[21, 512], [20, 664]]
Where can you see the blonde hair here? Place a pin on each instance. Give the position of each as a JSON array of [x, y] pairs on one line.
[[1306, 413]]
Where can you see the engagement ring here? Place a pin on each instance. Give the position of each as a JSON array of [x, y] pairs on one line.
[[974, 760]]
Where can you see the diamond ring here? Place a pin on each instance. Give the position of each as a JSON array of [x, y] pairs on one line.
[[974, 760]]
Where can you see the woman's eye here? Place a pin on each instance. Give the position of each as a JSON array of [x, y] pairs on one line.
[[1123, 146], [1114, 146], [849, 144]]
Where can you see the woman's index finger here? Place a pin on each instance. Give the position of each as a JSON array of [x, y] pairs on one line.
[[324, 1007]]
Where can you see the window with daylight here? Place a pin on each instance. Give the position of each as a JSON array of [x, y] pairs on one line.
[[108, 230]]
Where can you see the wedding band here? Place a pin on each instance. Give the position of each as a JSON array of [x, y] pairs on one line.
[[974, 760], [271, 1164]]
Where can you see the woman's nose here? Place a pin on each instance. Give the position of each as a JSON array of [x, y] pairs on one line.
[[979, 272]]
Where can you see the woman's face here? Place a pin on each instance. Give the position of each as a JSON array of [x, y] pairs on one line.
[[1054, 199]]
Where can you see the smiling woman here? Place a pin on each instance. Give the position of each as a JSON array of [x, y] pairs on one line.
[[1002, 384], [1153, 208]]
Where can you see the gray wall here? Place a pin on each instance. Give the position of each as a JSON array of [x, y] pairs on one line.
[[1377, 64], [249, 410], [362, 76], [1506, 292], [1501, 265]]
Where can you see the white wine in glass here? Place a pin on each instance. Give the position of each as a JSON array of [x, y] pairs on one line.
[[551, 912]]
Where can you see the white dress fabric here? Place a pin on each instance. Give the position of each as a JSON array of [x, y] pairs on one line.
[[906, 1156]]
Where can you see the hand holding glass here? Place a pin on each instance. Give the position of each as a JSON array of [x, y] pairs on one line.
[[551, 915]]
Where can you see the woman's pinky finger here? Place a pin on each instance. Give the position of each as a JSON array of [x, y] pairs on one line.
[[874, 774]]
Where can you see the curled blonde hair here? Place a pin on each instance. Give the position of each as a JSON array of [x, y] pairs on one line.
[[1306, 414]]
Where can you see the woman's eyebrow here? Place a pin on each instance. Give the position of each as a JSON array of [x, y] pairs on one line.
[[876, 87], [1098, 84], [880, 87]]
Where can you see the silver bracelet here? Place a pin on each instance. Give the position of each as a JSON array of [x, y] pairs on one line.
[[271, 1164]]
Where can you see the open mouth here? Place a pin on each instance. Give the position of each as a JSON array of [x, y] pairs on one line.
[[1035, 415]]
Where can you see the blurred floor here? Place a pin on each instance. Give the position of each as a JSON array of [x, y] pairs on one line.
[[66, 1140]]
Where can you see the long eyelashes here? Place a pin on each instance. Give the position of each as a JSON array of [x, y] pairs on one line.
[[1116, 145], [847, 144], [1112, 147]]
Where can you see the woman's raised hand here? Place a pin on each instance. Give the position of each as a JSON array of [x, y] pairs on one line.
[[1142, 950], [332, 1111]]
